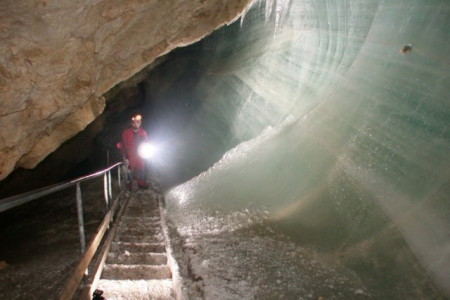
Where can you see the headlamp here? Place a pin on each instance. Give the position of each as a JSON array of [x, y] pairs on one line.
[[136, 118]]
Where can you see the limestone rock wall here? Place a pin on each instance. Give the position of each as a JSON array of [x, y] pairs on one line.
[[58, 58]]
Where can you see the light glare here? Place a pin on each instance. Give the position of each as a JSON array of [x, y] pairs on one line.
[[146, 150]]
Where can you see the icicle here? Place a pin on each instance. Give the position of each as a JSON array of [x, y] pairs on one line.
[[250, 6], [281, 10], [269, 6]]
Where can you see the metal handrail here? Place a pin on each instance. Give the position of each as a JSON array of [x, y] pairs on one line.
[[13, 201]]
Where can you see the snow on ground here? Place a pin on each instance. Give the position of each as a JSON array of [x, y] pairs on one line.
[[220, 258]]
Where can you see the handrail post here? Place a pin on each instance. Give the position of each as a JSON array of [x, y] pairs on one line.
[[80, 218], [118, 177], [109, 185], [105, 190]]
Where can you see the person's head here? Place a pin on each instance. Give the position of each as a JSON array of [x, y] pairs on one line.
[[136, 122]]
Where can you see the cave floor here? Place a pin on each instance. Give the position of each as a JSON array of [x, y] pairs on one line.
[[39, 247], [40, 242]]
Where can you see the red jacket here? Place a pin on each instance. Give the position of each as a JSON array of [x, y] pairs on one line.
[[130, 143]]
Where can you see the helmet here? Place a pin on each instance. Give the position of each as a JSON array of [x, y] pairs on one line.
[[136, 118]]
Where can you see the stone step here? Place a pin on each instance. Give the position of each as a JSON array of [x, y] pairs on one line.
[[135, 272], [139, 212], [148, 206], [139, 231], [144, 210], [141, 220], [140, 223], [137, 258], [143, 224], [153, 239], [137, 289], [137, 263], [123, 247]]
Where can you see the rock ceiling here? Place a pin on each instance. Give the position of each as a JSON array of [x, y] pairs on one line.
[[59, 58]]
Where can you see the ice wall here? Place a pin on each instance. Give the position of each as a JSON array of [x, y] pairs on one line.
[[332, 116]]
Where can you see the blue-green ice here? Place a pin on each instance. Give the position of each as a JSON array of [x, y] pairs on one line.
[[327, 121]]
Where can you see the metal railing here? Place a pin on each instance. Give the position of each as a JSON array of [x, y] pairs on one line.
[[13, 201]]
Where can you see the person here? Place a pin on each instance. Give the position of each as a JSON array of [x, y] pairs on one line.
[[132, 137]]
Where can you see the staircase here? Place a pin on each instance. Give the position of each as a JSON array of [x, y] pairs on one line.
[[139, 264]]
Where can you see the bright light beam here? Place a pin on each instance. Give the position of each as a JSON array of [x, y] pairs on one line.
[[146, 150]]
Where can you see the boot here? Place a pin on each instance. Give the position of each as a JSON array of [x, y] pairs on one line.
[[142, 184], [130, 186]]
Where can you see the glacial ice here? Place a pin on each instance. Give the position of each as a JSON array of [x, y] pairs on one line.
[[308, 115]]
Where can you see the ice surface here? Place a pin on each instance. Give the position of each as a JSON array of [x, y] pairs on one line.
[[314, 121]]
